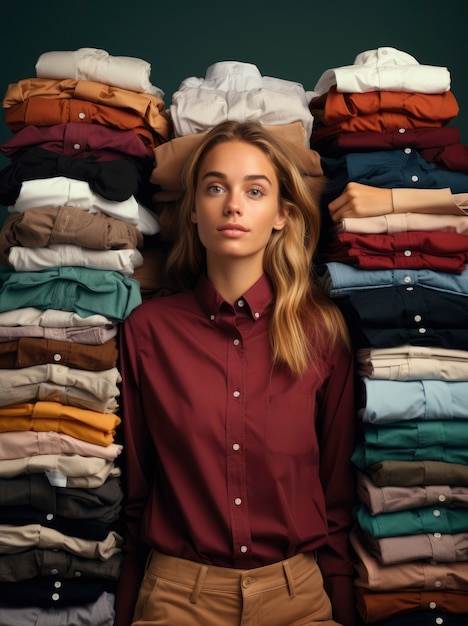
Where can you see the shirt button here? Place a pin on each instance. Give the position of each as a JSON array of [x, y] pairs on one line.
[[432, 605], [236, 342], [422, 331], [256, 315], [240, 303], [81, 115], [409, 288], [408, 150], [57, 584], [414, 178], [442, 498], [57, 357], [54, 571], [236, 394], [77, 574], [437, 583], [238, 501], [436, 513], [235, 446], [76, 146], [212, 317], [55, 596], [439, 620], [407, 279], [243, 549], [437, 535], [407, 253], [417, 318], [402, 130], [49, 517]]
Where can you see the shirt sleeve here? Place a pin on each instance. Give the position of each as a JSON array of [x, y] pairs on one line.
[[337, 436], [439, 201], [138, 470]]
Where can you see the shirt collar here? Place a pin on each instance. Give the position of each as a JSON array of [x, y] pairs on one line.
[[255, 301], [229, 75]]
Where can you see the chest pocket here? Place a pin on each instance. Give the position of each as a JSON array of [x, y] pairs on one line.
[[290, 424]]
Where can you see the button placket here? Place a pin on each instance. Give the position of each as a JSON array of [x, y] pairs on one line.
[[235, 426]]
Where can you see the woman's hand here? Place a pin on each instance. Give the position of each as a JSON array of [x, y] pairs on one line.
[[359, 200]]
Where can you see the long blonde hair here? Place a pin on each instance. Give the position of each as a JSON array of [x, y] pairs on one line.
[[301, 310]]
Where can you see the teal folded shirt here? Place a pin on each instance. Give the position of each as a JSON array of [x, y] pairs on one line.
[[81, 290]]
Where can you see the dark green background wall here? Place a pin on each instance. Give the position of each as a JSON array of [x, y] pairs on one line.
[[284, 39]]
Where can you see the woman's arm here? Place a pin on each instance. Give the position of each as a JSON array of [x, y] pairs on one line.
[[358, 200]]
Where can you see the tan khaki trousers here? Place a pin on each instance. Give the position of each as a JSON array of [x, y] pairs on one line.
[[177, 592]]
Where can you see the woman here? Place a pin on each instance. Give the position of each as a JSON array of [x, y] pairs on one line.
[[238, 408]]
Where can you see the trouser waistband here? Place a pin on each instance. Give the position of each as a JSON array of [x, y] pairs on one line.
[[210, 577]]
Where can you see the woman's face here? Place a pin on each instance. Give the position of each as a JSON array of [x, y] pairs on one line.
[[237, 202]]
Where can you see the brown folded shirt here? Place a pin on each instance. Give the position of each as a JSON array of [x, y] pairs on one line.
[[38, 227], [170, 157], [28, 351]]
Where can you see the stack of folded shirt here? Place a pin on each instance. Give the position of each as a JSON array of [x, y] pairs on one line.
[[385, 100], [401, 282], [78, 197], [412, 461]]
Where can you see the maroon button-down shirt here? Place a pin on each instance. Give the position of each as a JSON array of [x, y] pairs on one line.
[[228, 462]]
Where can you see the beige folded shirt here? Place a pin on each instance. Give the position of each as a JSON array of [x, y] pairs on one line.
[[408, 362], [429, 201], [437, 547], [17, 444], [417, 574], [59, 383], [18, 538], [402, 223], [64, 470]]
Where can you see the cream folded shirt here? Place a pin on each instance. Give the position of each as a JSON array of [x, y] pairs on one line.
[[98, 65], [25, 259]]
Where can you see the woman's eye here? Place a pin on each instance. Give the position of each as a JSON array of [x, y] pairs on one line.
[[215, 189], [256, 193]]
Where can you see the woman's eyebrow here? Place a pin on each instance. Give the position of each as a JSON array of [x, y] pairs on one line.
[[249, 177]]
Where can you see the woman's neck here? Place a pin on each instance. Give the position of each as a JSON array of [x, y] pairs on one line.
[[234, 279]]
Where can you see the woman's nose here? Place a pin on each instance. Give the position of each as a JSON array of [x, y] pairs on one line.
[[233, 204]]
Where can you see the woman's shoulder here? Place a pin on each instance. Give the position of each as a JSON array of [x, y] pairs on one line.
[[170, 304]]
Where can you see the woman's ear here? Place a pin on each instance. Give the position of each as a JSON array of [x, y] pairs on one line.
[[283, 213]]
